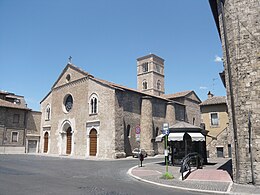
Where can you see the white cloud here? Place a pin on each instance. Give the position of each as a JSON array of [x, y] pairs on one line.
[[218, 58], [203, 87]]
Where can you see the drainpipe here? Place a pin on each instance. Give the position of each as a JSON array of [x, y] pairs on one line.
[[250, 147], [230, 86]]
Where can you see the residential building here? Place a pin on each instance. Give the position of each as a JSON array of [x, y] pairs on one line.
[[19, 125], [214, 116]]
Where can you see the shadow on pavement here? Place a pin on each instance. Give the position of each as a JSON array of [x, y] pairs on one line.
[[227, 167]]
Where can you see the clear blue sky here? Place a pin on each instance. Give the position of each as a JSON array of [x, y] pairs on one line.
[[105, 37]]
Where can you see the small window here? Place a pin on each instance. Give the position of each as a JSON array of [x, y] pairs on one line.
[[14, 136], [220, 152], [93, 104], [145, 67], [229, 151], [145, 84], [158, 84], [16, 118], [68, 78], [68, 103], [214, 119], [48, 113]]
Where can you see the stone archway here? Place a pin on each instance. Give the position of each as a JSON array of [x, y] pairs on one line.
[[93, 142], [46, 142], [66, 139]]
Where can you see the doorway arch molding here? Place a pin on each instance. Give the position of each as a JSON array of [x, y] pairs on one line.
[[66, 126], [92, 125]]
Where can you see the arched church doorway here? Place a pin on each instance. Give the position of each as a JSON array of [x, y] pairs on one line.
[[69, 135], [46, 142], [93, 142]]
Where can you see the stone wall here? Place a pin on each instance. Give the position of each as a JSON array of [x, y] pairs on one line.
[[9, 118], [8, 126], [34, 122], [180, 112], [135, 110], [80, 117], [223, 140], [128, 111], [46, 124], [192, 112], [110, 134], [242, 74], [146, 125], [76, 117]]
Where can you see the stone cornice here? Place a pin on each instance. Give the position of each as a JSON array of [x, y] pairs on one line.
[[151, 71]]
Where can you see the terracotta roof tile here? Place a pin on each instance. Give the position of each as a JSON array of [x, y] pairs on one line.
[[120, 87], [7, 104], [177, 95], [214, 100], [117, 86], [3, 92]]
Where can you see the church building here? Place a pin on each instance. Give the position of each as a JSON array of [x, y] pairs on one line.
[[86, 116]]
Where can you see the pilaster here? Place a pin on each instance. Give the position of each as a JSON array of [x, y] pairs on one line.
[[170, 113], [147, 125]]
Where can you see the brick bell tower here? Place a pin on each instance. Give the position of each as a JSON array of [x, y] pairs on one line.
[[150, 74]]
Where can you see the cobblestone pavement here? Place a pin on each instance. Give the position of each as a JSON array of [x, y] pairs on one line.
[[213, 178]]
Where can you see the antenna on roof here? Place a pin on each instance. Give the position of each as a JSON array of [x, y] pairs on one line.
[[70, 60], [213, 83]]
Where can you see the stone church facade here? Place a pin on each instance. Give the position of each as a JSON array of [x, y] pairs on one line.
[[239, 30], [86, 116]]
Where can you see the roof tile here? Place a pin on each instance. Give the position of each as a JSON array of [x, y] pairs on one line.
[[7, 104], [214, 100]]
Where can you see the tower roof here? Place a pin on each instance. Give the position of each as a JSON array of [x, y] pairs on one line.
[[149, 56]]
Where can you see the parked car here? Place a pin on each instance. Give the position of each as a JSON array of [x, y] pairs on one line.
[[137, 151]]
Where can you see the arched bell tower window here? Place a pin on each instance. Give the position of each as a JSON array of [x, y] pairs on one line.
[[145, 84], [145, 67], [93, 104], [159, 84]]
